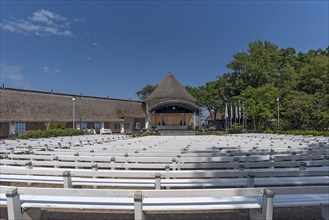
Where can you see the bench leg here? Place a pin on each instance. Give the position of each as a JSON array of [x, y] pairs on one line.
[[266, 213], [325, 212], [138, 200], [267, 208], [14, 206]]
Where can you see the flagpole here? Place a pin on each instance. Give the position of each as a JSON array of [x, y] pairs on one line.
[[231, 115], [226, 116], [243, 115]]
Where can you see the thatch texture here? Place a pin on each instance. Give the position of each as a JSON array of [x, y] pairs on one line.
[[169, 89], [32, 106]]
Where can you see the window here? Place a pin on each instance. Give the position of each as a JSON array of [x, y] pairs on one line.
[[127, 126], [97, 125], [117, 126], [83, 125], [20, 127], [138, 125]]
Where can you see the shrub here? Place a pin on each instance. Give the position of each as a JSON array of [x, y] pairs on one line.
[[50, 133], [143, 134], [57, 125], [236, 129], [296, 132]]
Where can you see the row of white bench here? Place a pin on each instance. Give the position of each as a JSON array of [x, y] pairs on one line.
[[25, 203], [283, 141], [126, 164], [136, 158], [174, 164], [158, 183], [166, 179]]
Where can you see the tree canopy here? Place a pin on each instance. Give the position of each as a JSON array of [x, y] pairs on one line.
[[263, 73], [146, 91]]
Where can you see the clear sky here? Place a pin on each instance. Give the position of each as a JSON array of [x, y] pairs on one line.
[[114, 48]]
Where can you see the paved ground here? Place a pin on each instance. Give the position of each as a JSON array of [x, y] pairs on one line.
[[300, 213]]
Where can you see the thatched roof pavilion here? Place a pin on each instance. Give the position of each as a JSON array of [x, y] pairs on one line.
[[171, 107], [35, 106], [169, 89]]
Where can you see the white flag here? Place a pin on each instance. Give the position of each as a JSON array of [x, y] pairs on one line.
[[226, 112], [231, 111], [239, 110], [236, 112]]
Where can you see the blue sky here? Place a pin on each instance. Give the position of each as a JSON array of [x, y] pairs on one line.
[[114, 48]]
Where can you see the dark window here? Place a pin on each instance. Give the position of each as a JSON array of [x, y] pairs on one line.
[[127, 126], [97, 125], [20, 127], [83, 125], [116, 126]]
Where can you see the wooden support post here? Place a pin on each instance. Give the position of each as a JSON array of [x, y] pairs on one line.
[[266, 212], [76, 160], [293, 155], [174, 161], [158, 181], [167, 170], [251, 179], [14, 209], [67, 179], [126, 161], [5, 157], [12, 150], [167, 167], [241, 166], [302, 166], [55, 158], [29, 166], [112, 163], [138, 201], [94, 167], [267, 207]]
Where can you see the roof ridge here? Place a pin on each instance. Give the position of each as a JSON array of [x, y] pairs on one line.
[[170, 88]]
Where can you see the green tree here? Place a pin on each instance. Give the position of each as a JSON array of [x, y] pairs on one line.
[[146, 91], [208, 96], [314, 76], [256, 67], [299, 110], [261, 105]]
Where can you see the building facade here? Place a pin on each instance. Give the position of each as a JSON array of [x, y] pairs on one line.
[[23, 110], [170, 106]]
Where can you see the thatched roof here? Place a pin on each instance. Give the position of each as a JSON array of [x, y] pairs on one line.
[[169, 89], [29, 106]]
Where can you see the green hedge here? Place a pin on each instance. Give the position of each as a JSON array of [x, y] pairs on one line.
[[50, 133], [236, 129], [309, 132], [143, 134], [297, 132]]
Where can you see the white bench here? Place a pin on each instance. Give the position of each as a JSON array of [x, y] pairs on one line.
[[260, 201], [105, 131], [172, 183], [277, 172]]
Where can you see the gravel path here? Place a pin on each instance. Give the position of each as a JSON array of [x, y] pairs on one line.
[[300, 213]]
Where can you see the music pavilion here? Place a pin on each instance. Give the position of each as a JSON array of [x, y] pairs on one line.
[[169, 107]]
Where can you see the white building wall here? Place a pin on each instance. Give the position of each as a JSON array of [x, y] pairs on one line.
[[12, 127]]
